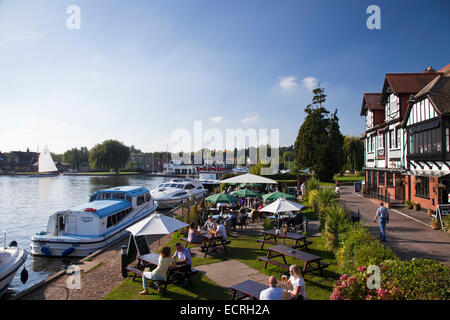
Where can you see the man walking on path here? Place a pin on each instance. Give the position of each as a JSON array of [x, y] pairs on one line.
[[383, 218]]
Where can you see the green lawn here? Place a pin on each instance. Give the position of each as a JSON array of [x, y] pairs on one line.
[[246, 250]]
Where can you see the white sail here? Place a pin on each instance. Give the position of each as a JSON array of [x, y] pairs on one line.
[[46, 163]]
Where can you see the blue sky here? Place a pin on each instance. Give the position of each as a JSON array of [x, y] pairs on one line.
[[138, 70]]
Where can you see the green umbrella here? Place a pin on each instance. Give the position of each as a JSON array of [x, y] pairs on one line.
[[276, 195], [221, 198], [245, 193]]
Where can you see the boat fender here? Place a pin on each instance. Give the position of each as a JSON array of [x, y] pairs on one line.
[[67, 251], [13, 244], [46, 251], [24, 275]]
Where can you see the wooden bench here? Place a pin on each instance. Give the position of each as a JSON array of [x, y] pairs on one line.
[[278, 264], [264, 241], [173, 276]]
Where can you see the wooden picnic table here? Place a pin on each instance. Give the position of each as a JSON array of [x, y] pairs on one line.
[[283, 251], [270, 237], [210, 243], [246, 289]]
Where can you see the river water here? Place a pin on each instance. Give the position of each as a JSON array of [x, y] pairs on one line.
[[26, 203]]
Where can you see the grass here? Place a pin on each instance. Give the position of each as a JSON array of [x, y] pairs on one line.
[[202, 288], [246, 250]]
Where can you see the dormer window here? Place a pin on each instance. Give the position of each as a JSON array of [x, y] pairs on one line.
[[392, 104]]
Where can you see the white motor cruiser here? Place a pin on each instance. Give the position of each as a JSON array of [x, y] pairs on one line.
[[171, 194], [11, 259], [82, 230]]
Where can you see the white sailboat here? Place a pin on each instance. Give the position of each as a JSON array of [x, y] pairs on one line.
[[46, 165]]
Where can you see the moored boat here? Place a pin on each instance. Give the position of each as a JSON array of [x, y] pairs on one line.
[[46, 165], [91, 226], [172, 193], [11, 259]]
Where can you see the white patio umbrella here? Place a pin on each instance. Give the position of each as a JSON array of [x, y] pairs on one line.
[[156, 224], [249, 178], [282, 205]]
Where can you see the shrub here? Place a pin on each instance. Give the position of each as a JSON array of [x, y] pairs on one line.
[[408, 204], [267, 224], [359, 248], [193, 215], [202, 204], [312, 199], [336, 223], [417, 279], [325, 198], [312, 184]]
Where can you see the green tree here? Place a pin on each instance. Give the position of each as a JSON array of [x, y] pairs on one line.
[[319, 142], [76, 157], [353, 154], [110, 154]]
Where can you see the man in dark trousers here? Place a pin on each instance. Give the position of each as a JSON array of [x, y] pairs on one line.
[[383, 218]]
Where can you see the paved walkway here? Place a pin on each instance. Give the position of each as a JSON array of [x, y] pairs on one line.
[[408, 233], [220, 273]]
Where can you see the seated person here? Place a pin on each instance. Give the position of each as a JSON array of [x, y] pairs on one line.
[[209, 224], [160, 273], [194, 236], [182, 256], [297, 282], [291, 219], [221, 231], [272, 293]]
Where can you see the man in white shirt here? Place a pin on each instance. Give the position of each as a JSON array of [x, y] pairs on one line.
[[182, 255], [209, 224], [221, 231], [272, 293]]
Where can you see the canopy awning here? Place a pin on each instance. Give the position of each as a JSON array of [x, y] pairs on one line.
[[249, 178], [282, 205]]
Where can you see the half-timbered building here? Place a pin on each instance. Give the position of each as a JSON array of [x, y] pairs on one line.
[[427, 123]]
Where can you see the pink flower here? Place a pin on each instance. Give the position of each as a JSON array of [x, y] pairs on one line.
[[352, 279], [363, 268], [368, 297], [343, 277]]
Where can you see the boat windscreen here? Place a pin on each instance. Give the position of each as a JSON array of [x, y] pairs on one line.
[[118, 196]]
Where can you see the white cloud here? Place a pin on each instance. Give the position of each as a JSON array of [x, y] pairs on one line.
[[217, 119], [288, 83], [310, 83], [250, 118], [6, 38]]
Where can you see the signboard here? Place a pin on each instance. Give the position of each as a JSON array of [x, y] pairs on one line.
[[357, 185]]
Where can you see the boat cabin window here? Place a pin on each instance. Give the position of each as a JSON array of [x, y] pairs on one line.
[[147, 197], [167, 185], [117, 217], [105, 196], [173, 185], [61, 224], [129, 199], [189, 186], [180, 194], [140, 200], [118, 196], [180, 186], [199, 187], [161, 185]]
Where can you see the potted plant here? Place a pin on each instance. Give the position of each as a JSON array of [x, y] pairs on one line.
[[416, 206], [435, 224], [408, 204]]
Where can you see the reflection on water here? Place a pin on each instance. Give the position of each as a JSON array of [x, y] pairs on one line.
[[26, 203]]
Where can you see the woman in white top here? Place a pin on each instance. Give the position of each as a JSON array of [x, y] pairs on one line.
[[297, 282], [160, 273]]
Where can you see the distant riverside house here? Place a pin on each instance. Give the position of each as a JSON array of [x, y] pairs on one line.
[[18, 160], [63, 166], [147, 162], [388, 157]]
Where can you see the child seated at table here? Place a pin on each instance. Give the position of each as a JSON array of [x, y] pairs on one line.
[[194, 236]]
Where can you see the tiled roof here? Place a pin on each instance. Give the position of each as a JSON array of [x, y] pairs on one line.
[[408, 82], [438, 91], [371, 101]]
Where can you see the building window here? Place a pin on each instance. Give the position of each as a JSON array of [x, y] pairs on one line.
[[391, 139], [422, 187], [381, 178], [399, 137], [428, 141], [390, 179], [380, 141]]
